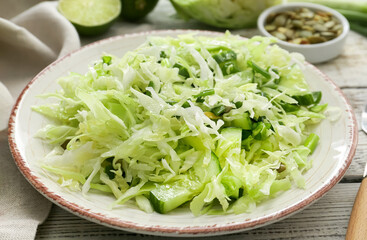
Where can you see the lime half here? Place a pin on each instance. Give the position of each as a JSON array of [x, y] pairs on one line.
[[90, 17]]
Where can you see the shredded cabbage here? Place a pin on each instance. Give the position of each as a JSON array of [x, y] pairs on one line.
[[217, 121], [223, 13]]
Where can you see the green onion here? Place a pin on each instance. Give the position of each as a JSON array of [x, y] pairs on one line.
[[109, 167], [246, 142], [304, 100], [308, 98], [359, 28], [352, 15], [225, 56], [205, 93], [316, 97], [311, 142], [186, 105], [182, 70], [200, 100], [276, 71], [355, 5], [227, 61], [163, 54], [246, 134], [259, 70], [171, 102], [107, 59], [290, 107], [260, 130], [229, 68], [276, 80], [318, 108], [219, 110], [238, 104]]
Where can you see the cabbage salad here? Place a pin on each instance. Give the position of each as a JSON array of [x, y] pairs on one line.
[[217, 124]]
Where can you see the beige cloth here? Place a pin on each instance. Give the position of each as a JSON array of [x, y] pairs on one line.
[[28, 42]]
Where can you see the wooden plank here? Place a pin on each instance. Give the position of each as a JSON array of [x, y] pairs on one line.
[[348, 70], [357, 98], [356, 168], [326, 219]]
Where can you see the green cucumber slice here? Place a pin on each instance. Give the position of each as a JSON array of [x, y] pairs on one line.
[[167, 197]]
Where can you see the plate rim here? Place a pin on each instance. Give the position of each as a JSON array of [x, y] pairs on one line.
[[165, 230]]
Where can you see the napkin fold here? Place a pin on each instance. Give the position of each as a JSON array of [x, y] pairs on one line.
[[28, 43]]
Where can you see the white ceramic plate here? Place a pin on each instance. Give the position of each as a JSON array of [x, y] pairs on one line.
[[331, 159]]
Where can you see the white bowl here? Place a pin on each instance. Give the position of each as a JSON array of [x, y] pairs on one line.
[[314, 53], [338, 141]]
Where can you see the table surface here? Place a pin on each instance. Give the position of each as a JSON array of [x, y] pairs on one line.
[[326, 219]]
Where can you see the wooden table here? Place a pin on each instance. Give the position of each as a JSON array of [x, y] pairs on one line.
[[326, 219]]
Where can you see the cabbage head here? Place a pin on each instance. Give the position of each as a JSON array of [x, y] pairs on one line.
[[223, 13]]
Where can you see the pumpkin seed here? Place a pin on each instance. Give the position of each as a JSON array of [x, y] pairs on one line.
[[308, 28], [303, 26], [289, 34], [296, 40], [282, 30], [320, 28], [297, 23], [279, 35], [280, 20], [270, 28], [337, 27], [310, 23], [307, 15], [316, 39], [305, 34], [329, 24]]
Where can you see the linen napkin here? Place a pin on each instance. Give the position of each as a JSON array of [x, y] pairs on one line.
[[28, 42]]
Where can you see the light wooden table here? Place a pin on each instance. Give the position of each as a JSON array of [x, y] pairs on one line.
[[326, 219]]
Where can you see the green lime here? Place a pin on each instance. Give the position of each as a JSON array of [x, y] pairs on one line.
[[90, 17], [133, 10]]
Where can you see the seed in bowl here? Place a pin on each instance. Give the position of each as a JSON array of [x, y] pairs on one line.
[[303, 26]]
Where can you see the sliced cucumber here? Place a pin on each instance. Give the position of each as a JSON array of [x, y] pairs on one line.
[[205, 173], [232, 185], [167, 197], [242, 121], [232, 139], [194, 142]]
